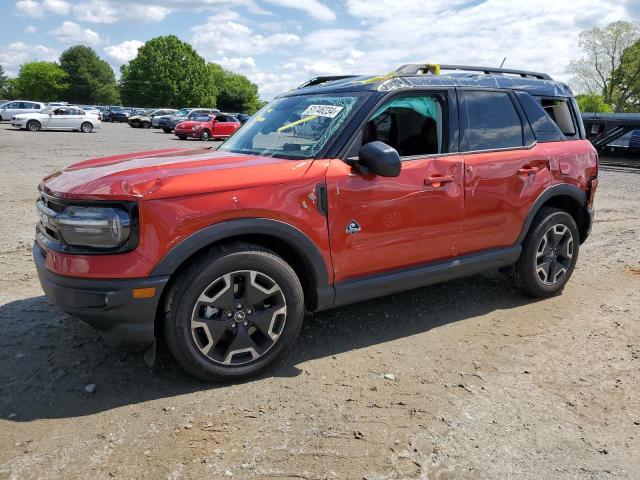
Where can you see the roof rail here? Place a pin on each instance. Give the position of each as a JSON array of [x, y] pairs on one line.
[[324, 79], [413, 69]]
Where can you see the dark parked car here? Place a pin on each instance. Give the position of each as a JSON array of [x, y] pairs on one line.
[[115, 114]]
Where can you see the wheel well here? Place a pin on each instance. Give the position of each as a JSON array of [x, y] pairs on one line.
[[280, 247], [573, 208]]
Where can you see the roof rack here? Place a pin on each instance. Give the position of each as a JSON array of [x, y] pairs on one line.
[[324, 79], [413, 69]]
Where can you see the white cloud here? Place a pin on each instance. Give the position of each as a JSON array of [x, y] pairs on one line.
[[237, 63], [37, 9], [30, 29], [123, 52], [216, 39], [17, 53], [59, 7], [72, 33], [107, 11], [331, 38], [314, 8]]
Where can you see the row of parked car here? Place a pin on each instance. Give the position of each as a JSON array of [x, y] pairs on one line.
[[199, 123]]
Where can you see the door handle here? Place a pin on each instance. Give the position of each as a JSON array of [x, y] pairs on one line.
[[438, 180], [528, 170]]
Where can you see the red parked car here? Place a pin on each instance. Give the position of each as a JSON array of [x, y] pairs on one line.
[[207, 126], [339, 191]]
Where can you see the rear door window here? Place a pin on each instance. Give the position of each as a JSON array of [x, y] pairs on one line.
[[490, 121]]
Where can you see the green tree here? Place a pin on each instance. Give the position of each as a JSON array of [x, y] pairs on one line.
[[603, 48], [627, 79], [169, 73], [3, 83], [91, 79], [236, 93], [590, 102], [44, 81]]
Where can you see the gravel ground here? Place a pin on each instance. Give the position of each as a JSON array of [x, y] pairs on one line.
[[467, 379]]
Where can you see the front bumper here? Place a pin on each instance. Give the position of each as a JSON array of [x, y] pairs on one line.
[[19, 123], [189, 133], [107, 305]]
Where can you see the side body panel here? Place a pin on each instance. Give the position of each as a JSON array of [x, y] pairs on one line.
[[500, 188], [402, 220]]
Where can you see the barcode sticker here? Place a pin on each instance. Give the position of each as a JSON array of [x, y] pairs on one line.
[[322, 111]]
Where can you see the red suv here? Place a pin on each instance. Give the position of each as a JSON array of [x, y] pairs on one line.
[[207, 126], [341, 190]]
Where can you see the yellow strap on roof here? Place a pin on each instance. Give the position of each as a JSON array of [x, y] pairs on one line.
[[379, 78], [297, 122]]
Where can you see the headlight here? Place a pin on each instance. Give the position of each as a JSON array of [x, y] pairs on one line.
[[98, 227], [196, 127]]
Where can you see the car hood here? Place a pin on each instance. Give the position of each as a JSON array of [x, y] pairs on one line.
[[189, 123], [169, 173], [31, 115]]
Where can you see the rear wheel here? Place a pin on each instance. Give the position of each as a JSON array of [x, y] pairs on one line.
[[33, 125], [549, 253], [233, 313], [86, 127]]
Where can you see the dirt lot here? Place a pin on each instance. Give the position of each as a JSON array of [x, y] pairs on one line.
[[484, 383]]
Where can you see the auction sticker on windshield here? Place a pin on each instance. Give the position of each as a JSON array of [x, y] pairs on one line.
[[322, 110]]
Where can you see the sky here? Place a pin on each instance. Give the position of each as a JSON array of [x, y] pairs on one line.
[[279, 44]]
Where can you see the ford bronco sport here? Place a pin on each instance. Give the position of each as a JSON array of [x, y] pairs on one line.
[[338, 191]]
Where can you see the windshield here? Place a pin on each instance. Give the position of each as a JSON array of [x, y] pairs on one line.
[[117, 109], [182, 112], [294, 127]]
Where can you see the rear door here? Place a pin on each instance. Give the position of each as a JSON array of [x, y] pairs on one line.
[[378, 224], [505, 169]]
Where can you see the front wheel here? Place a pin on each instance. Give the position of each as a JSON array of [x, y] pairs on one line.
[[33, 125], [166, 130], [549, 253], [205, 136], [232, 313], [86, 127], [182, 137]]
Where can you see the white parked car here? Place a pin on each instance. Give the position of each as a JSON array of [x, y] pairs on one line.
[[15, 107], [61, 118]]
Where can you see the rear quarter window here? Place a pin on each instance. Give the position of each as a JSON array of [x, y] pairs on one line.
[[544, 128]]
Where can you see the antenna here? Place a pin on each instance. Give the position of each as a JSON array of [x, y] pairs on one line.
[[503, 60]]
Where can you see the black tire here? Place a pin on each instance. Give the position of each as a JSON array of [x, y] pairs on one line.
[[166, 130], [145, 125], [86, 127], [205, 135], [226, 264], [543, 268], [33, 126], [182, 137]]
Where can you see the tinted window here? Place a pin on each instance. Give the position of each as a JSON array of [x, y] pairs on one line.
[[543, 126], [11, 105], [491, 121], [412, 125]]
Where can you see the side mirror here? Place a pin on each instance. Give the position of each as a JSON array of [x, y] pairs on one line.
[[380, 159]]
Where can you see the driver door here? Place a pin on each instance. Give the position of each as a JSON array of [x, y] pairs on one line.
[[57, 118], [379, 224]]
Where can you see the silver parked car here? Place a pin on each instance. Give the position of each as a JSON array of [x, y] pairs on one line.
[[15, 107], [61, 118]]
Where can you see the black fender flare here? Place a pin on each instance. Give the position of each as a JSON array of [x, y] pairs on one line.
[[564, 190], [303, 246]]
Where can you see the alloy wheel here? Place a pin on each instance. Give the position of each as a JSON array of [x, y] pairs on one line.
[[554, 254], [239, 317]]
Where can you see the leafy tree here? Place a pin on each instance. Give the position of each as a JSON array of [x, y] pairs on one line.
[[236, 93], [167, 72], [91, 79], [591, 102], [603, 48], [627, 79], [44, 81], [4, 83]]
